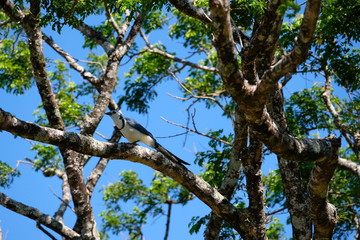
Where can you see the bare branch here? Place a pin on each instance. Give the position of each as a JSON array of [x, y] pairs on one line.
[[65, 200], [202, 97], [225, 46], [350, 166], [153, 49], [98, 170], [197, 132], [38, 225], [95, 36], [71, 61], [112, 20], [38, 216], [345, 131], [258, 54]]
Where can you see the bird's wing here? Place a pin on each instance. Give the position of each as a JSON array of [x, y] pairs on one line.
[[138, 126]]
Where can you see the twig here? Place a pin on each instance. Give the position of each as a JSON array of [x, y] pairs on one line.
[[197, 132], [102, 135], [176, 135], [276, 211], [38, 225], [58, 197], [202, 97], [167, 225], [153, 49]]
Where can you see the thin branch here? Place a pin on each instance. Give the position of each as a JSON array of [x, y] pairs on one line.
[[112, 20], [167, 225], [38, 225], [337, 119], [201, 97], [197, 132], [153, 49], [276, 211], [38, 216], [71, 61], [65, 200], [95, 36]]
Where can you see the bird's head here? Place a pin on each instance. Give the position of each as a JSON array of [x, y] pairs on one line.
[[115, 114]]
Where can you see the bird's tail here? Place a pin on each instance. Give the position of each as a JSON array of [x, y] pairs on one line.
[[169, 155]]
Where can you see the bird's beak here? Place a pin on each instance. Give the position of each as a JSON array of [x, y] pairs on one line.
[[108, 113]]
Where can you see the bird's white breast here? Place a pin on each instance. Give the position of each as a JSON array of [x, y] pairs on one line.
[[133, 135]]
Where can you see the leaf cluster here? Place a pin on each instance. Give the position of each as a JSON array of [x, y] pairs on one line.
[[147, 200], [7, 174], [47, 159], [306, 111], [148, 71], [15, 65], [215, 160]]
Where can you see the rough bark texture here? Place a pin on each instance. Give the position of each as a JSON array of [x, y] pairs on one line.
[[238, 219], [296, 201], [259, 120], [38, 216], [254, 185]]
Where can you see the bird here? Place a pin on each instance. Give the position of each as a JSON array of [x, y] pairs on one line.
[[134, 132]]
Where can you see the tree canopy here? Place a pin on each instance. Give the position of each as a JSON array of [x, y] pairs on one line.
[[261, 82]]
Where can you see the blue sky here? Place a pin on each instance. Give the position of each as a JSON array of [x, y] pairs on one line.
[[33, 189]]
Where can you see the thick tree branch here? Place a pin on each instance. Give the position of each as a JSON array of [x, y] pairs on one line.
[[30, 24], [350, 166], [252, 162], [224, 43], [323, 213], [96, 36], [89, 146], [299, 53], [296, 202], [38, 216], [258, 54], [187, 8]]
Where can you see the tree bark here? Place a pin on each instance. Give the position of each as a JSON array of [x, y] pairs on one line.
[[39, 217]]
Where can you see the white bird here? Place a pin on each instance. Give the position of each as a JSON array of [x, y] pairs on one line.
[[134, 132]]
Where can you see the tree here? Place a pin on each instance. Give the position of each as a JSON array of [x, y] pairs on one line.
[[243, 55]]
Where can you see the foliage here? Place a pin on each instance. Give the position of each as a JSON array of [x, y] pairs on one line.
[[67, 94], [151, 201], [214, 161], [148, 71], [47, 159], [306, 111], [7, 174], [129, 202], [15, 67]]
